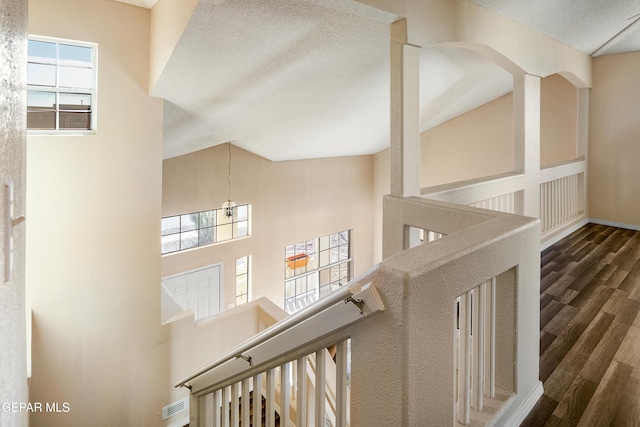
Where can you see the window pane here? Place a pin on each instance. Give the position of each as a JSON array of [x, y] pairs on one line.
[[335, 273], [241, 265], [206, 236], [170, 243], [324, 291], [344, 273], [289, 251], [324, 258], [312, 282], [242, 299], [310, 247], [41, 75], [42, 52], [75, 120], [324, 243], [41, 120], [221, 218], [207, 219], [188, 222], [224, 232], [76, 77], [241, 284], [290, 289], [300, 248], [343, 252], [38, 100], [170, 225], [240, 229], [189, 240], [78, 56], [301, 285], [325, 277], [75, 101], [335, 255], [335, 240], [241, 213]]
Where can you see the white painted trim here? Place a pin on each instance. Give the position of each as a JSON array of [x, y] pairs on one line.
[[615, 224], [555, 239], [527, 405]]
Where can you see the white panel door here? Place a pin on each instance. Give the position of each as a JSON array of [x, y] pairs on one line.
[[198, 290]]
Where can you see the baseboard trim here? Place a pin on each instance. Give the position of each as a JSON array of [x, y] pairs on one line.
[[519, 416], [615, 224]]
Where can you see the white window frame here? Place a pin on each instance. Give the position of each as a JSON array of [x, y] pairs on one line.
[[215, 237], [299, 300], [57, 90], [247, 274]]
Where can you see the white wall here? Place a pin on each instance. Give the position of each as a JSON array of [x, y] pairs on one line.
[[93, 243], [13, 360]]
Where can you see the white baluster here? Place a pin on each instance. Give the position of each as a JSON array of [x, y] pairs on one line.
[[478, 347], [257, 396], [301, 397], [464, 392], [270, 404], [246, 402], [320, 386], [235, 405], [341, 384], [215, 414], [226, 392], [490, 340], [285, 394]]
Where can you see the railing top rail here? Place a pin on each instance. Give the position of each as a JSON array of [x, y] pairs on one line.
[[341, 295]]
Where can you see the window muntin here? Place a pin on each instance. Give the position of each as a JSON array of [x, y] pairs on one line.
[[187, 231], [242, 279], [316, 268], [61, 86]]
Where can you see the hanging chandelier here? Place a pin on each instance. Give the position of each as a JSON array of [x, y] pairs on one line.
[[229, 204]]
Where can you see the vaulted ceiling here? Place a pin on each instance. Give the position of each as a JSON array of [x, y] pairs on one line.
[[294, 79]]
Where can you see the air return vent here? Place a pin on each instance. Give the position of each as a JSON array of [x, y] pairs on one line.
[[175, 408]]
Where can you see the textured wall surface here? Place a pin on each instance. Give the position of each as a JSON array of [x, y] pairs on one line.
[[13, 373]]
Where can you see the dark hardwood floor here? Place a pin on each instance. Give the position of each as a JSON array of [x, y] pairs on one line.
[[590, 330]]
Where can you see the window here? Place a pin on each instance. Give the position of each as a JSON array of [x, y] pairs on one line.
[[181, 232], [315, 268], [242, 280], [61, 86]]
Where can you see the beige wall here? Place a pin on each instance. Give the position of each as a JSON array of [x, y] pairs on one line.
[[558, 120], [13, 366], [94, 213], [475, 144], [290, 201], [614, 139]]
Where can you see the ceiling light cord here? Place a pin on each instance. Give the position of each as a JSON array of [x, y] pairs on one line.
[[229, 172]]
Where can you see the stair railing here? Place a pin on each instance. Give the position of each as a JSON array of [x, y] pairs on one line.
[[253, 366]]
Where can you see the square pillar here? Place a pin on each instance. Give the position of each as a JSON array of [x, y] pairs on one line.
[[526, 139], [405, 113]]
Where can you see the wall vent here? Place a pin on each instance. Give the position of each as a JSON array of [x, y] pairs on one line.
[[175, 408]]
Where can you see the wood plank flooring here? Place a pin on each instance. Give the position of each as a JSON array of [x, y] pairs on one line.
[[590, 330]]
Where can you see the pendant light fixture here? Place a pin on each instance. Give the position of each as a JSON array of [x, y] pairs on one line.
[[229, 204]]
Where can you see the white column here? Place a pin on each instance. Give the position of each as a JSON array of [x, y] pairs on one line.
[[526, 139], [582, 145], [405, 110]]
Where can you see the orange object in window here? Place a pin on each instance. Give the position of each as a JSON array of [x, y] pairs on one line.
[[297, 261]]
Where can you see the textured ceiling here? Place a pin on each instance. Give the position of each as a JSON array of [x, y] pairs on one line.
[[583, 24], [296, 79]]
